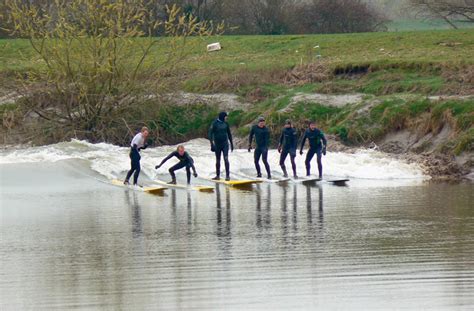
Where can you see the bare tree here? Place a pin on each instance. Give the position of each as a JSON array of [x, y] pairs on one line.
[[448, 10], [99, 58], [3, 20], [336, 16], [269, 15]]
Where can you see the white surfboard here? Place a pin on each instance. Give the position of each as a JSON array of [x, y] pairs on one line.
[[187, 187], [152, 190]]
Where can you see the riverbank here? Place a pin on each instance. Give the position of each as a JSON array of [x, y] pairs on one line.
[[408, 94], [434, 132]]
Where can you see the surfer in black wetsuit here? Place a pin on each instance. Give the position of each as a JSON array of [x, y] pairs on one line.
[[287, 145], [220, 137], [138, 143], [315, 137], [262, 140], [185, 160]]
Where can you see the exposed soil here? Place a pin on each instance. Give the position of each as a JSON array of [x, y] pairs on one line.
[[459, 82], [328, 100], [225, 102], [427, 151], [8, 98]]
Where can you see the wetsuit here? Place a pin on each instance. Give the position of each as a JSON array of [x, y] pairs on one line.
[[288, 144], [185, 160], [137, 144], [262, 139], [220, 136], [315, 147]]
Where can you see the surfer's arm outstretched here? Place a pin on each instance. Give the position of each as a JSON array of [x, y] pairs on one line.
[[172, 154]]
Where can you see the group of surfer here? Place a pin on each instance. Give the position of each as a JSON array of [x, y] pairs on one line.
[[221, 141]]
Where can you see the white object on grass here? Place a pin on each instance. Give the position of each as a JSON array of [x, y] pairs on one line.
[[214, 47]]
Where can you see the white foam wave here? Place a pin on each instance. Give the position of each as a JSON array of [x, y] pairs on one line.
[[111, 161]]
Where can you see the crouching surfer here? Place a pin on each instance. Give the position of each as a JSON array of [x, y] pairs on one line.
[[185, 161]]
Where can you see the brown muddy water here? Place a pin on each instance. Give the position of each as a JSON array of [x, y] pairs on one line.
[[69, 241]]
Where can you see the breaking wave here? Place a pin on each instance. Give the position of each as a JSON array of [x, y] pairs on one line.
[[112, 161]]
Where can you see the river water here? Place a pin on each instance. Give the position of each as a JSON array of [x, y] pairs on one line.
[[389, 240]]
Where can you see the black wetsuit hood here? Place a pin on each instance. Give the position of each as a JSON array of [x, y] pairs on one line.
[[219, 132], [222, 116]]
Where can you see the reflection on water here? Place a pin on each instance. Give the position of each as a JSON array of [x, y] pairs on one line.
[[275, 246], [137, 225]]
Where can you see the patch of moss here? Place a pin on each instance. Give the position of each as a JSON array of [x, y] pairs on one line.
[[8, 107]]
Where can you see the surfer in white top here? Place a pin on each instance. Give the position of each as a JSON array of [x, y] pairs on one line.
[[138, 143]]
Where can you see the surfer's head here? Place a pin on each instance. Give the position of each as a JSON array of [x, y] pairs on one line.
[[312, 125], [180, 150], [288, 123], [223, 116], [145, 131]]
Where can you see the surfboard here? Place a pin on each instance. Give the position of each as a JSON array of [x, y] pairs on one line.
[[337, 182], [236, 183], [309, 180], [187, 187], [152, 190], [274, 180], [306, 181]]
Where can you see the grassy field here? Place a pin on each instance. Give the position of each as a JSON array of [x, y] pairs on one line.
[[406, 60], [265, 52]]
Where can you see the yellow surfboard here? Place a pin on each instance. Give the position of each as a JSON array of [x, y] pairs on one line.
[[190, 187], [236, 183], [152, 190]]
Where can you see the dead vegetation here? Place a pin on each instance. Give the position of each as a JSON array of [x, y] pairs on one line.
[[308, 73], [459, 81]]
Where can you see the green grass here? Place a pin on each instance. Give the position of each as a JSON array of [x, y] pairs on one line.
[[465, 142], [398, 81], [7, 107], [182, 121], [255, 53], [463, 112], [396, 114], [396, 62]]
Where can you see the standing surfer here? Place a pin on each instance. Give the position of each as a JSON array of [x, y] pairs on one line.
[[262, 140], [138, 143], [220, 137], [287, 145], [317, 145]]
